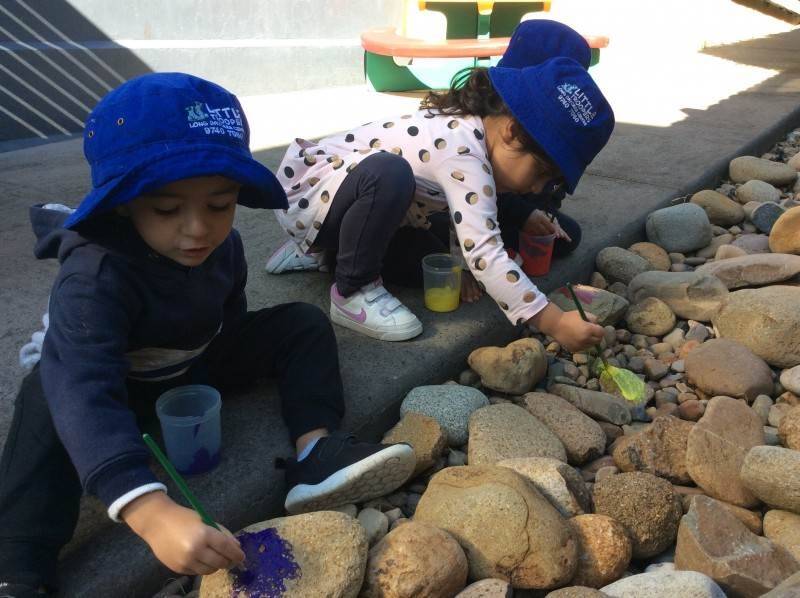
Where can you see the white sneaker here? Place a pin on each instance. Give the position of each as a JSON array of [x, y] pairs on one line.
[[375, 312], [290, 258]]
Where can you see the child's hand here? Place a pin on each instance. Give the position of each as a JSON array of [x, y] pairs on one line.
[[470, 291], [179, 538], [539, 223], [568, 328]]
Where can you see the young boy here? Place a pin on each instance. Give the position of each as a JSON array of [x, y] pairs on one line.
[[150, 295]]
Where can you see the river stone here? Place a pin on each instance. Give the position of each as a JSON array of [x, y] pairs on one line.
[[714, 542], [717, 446], [646, 505], [506, 431], [766, 215], [604, 550], [621, 265], [721, 209], [415, 560], [650, 316], [711, 249], [680, 228], [772, 473], [783, 528], [327, 556], [789, 429], [753, 270], [785, 234], [788, 588], [758, 192], [724, 367], [558, 482], [726, 252], [658, 258], [659, 450], [746, 168], [581, 436], [608, 307], [577, 592], [425, 436], [752, 243], [508, 530], [449, 404], [790, 379], [597, 405], [689, 295], [665, 584], [487, 588], [751, 519], [513, 369], [766, 320]]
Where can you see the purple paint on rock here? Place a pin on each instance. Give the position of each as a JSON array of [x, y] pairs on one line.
[[270, 564]]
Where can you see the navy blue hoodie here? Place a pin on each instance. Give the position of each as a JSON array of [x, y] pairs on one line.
[[119, 310]]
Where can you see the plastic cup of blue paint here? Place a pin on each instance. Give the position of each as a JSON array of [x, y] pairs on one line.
[[190, 424]]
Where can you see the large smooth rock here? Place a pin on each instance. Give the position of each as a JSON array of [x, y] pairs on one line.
[[514, 369], [449, 404], [651, 317], [717, 446], [745, 168], [658, 258], [597, 405], [785, 234], [721, 209], [577, 592], [659, 450], [753, 270], [714, 542], [772, 473], [752, 243], [508, 530], [415, 560], [621, 265], [608, 307], [788, 588], [424, 434], [646, 505], [757, 192], [487, 588], [581, 436], [725, 367], [789, 429], [679, 229], [604, 550], [558, 482], [665, 584], [314, 554], [790, 379], [783, 528], [766, 320], [506, 431], [689, 295]]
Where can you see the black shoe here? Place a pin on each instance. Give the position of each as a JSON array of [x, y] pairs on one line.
[[340, 470], [19, 590]]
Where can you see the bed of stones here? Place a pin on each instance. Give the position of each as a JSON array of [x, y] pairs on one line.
[[533, 480]]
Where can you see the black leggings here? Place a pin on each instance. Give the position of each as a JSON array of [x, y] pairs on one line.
[[39, 487]]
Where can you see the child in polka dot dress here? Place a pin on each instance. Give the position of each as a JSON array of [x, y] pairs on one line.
[[501, 129]]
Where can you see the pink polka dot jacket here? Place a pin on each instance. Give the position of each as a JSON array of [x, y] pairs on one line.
[[449, 158]]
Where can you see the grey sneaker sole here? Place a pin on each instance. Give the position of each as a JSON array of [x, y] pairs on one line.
[[396, 333], [377, 475]]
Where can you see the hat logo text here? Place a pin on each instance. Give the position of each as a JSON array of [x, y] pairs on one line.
[[215, 121], [577, 103]]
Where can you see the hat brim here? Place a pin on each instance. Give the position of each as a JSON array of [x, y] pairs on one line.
[[523, 101], [260, 187]]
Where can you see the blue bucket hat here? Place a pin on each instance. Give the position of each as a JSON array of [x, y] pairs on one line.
[[560, 106], [537, 40], [164, 127]]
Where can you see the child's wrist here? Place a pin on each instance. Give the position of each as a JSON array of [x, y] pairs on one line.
[[143, 512], [547, 319]]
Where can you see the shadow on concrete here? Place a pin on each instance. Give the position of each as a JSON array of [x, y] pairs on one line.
[[642, 169], [49, 81]]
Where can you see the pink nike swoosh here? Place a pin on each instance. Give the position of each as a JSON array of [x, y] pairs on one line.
[[360, 318]]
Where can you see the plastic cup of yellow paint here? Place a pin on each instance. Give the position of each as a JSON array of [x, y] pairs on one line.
[[442, 280]]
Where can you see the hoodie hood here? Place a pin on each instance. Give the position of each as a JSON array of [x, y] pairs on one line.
[[52, 239]]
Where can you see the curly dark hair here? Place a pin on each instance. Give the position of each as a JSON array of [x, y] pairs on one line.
[[472, 93]]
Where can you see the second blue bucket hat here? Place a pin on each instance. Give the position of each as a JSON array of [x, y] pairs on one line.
[[560, 106], [164, 127], [537, 40]]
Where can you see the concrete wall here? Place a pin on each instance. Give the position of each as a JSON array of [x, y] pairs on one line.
[[250, 46]]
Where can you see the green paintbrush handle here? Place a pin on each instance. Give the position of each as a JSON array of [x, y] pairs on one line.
[[179, 481], [579, 307]]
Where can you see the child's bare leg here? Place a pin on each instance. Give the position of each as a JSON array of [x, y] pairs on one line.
[[470, 291]]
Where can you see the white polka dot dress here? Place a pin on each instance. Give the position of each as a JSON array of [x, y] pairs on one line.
[[452, 171]]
